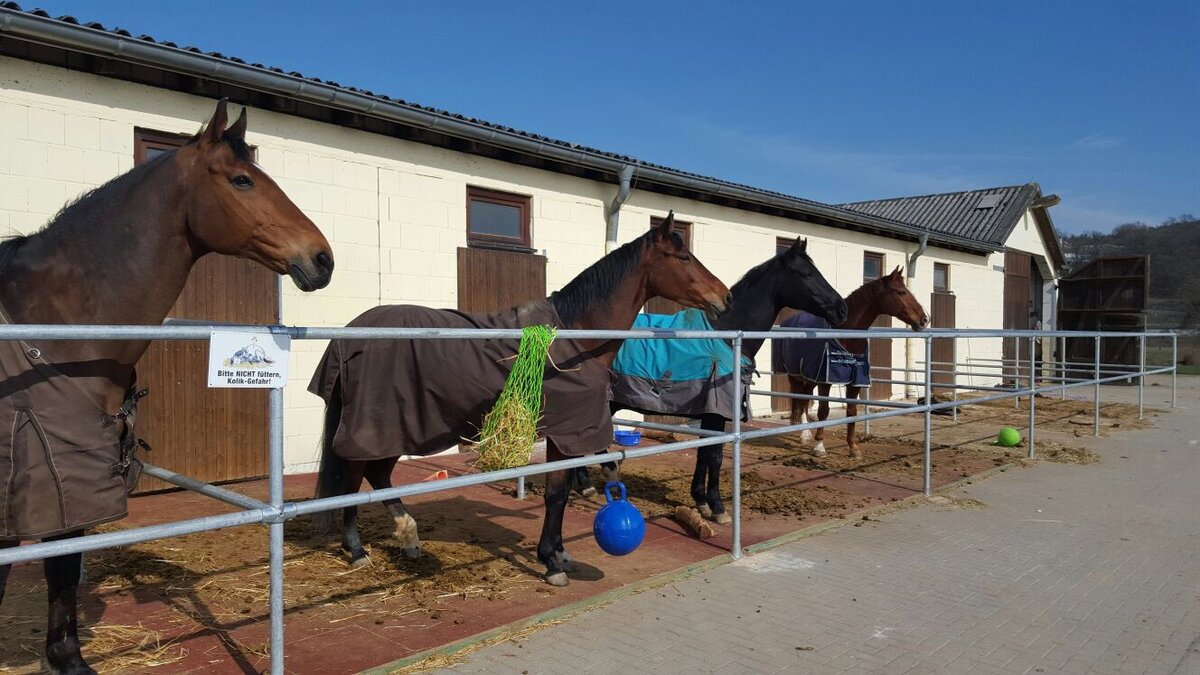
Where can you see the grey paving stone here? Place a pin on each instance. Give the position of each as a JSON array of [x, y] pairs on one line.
[[1104, 579]]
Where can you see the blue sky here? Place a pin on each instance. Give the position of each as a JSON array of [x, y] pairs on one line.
[[833, 101]]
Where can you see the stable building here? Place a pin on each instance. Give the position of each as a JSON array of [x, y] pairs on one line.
[[425, 206]]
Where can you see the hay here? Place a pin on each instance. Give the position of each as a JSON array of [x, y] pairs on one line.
[[1049, 451], [510, 427], [120, 649]]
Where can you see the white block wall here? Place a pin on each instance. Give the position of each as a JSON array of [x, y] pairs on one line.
[[395, 212]]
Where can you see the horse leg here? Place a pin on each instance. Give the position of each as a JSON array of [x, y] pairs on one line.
[[822, 415], [714, 455], [799, 408], [62, 623], [851, 411], [379, 475], [351, 542], [550, 547], [581, 480], [5, 568]]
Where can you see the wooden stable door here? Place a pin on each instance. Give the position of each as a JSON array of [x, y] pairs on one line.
[[942, 316], [1018, 278], [209, 434], [491, 280]]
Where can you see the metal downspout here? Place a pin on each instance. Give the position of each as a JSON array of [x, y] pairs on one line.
[[910, 391], [613, 214]]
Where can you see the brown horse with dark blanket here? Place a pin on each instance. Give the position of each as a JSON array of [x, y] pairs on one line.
[[887, 295], [119, 255], [386, 398]]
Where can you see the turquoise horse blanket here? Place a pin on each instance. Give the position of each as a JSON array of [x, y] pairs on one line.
[[689, 377]]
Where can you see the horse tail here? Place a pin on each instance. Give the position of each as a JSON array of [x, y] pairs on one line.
[[331, 477]]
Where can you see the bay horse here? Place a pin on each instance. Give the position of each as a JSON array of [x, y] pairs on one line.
[[386, 398], [787, 279], [120, 254], [887, 295]]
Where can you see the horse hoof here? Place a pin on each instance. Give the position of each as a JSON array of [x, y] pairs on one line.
[[819, 451], [806, 436], [722, 519], [360, 562], [79, 668], [411, 552], [558, 579], [704, 510]]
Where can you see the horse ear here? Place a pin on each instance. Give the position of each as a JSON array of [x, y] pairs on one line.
[[237, 132], [800, 246], [896, 272], [216, 126], [663, 232]]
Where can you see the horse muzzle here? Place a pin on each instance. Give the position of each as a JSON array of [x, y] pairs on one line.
[[315, 273]]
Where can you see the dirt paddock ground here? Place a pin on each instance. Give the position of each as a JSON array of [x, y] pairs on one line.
[[199, 603]]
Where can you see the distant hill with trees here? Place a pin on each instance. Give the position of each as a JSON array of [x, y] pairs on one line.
[[1174, 250]]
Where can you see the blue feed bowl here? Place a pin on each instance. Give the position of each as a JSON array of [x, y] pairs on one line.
[[628, 437]]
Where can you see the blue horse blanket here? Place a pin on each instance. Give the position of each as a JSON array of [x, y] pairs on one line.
[[678, 376], [820, 360]]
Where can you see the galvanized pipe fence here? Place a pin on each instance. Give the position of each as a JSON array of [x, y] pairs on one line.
[[276, 511]]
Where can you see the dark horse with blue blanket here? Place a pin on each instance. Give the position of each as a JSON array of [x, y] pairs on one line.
[[822, 362], [118, 255], [789, 279]]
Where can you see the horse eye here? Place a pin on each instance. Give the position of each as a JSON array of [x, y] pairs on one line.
[[685, 258], [242, 181]]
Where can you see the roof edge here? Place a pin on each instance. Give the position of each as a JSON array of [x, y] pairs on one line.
[[44, 30]]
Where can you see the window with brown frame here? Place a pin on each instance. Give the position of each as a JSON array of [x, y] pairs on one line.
[[872, 266], [941, 277], [148, 144], [498, 219]]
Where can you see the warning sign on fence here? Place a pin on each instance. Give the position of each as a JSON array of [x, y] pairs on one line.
[[250, 360]]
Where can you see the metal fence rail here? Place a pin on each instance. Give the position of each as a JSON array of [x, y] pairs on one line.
[[276, 510]]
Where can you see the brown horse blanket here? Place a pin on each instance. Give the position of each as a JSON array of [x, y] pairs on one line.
[[66, 464], [418, 397]]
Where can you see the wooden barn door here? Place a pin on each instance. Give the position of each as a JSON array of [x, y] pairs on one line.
[[942, 316], [1017, 281], [209, 434], [881, 348], [490, 280]]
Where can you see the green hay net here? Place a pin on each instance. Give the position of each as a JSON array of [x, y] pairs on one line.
[[510, 429]]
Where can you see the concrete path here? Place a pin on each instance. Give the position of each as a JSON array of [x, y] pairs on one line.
[[1062, 569]]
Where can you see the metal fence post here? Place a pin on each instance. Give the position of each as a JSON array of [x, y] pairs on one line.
[[521, 487], [276, 530], [1142, 377], [1062, 366], [1096, 393], [928, 412], [1174, 365], [735, 548], [1032, 392]]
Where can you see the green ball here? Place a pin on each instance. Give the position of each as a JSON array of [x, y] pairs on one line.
[[1008, 437]]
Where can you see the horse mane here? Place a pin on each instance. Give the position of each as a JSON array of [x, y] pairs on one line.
[[598, 282], [754, 274], [862, 293], [56, 230]]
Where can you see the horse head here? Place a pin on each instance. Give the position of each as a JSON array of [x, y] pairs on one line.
[[675, 274], [894, 299], [805, 288], [236, 209]]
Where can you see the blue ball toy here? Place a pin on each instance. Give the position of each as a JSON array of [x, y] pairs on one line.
[[619, 527]]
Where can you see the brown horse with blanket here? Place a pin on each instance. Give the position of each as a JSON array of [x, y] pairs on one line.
[[386, 398], [120, 254]]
